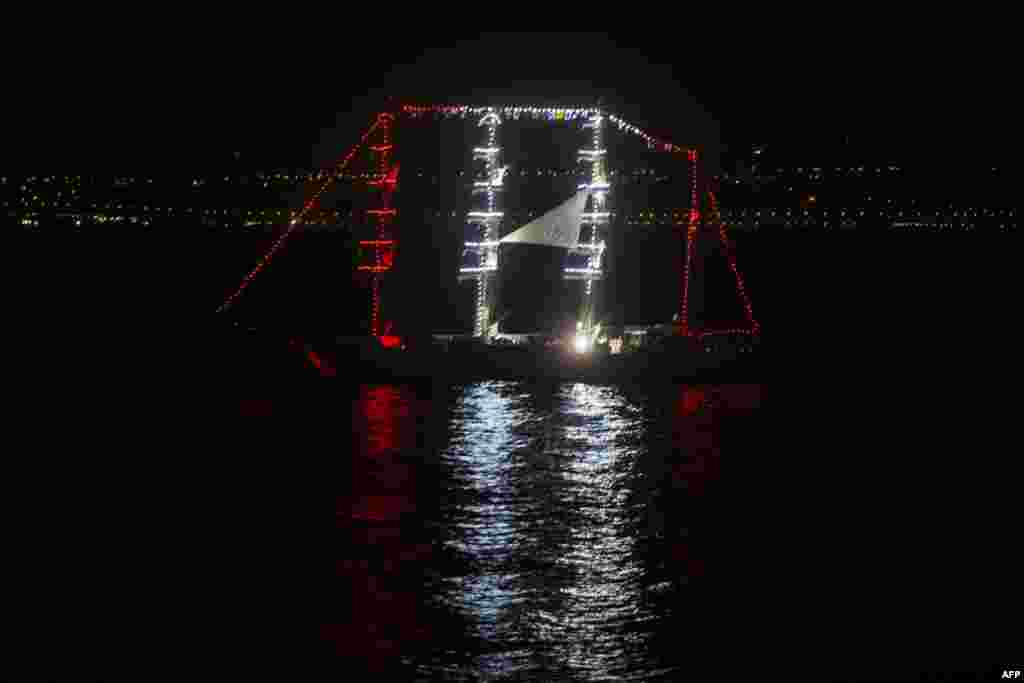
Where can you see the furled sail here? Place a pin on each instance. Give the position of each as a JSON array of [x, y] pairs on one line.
[[559, 227]]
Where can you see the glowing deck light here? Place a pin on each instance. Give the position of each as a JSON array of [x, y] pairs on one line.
[[582, 343]]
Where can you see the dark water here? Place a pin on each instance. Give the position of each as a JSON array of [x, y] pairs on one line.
[[507, 531]]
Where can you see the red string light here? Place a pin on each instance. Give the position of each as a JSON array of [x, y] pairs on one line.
[[375, 305], [295, 222], [731, 256], [383, 257], [691, 235]]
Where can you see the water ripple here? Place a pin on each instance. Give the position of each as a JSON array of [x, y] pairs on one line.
[[562, 553]]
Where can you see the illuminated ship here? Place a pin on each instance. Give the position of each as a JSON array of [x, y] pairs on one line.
[[664, 357], [589, 352]]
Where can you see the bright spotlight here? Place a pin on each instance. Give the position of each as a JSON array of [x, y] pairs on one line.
[[582, 343]]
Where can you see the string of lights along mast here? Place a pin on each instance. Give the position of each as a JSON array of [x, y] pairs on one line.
[[483, 223], [383, 244], [597, 217]]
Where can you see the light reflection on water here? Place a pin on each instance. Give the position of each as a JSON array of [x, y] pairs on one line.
[[560, 552]]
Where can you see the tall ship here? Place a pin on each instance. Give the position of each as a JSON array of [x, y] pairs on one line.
[[514, 241], [541, 287]]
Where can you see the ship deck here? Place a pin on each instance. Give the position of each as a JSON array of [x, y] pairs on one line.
[[518, 363]]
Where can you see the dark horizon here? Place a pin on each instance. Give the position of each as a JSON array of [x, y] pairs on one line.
[[685, 87]]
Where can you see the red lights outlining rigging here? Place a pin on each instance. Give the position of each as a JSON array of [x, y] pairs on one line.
[[383, 246], [296, 220], [386, 179]]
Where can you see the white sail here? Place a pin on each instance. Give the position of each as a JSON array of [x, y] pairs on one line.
[[559, 227]]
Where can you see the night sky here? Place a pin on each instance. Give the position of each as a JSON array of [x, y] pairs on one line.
[[716, 89], [296, 98]]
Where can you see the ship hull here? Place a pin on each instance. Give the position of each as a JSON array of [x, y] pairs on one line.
[[517, 364]]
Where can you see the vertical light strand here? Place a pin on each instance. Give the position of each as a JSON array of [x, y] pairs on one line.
[[596, 177], [481, 283], [382, 152], [494, 176], [597, 185], [485, 244], [691, 236], [375, 305], [381, 214]]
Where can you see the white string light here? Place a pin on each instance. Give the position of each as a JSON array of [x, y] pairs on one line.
[[487, 249]]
